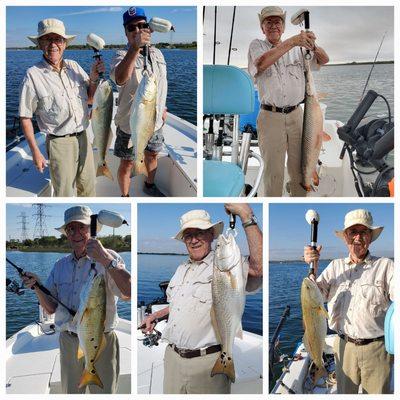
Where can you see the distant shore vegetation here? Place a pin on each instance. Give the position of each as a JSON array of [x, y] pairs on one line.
[[52, 244]]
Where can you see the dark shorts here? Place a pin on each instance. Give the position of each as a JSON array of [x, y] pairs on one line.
[[121, 149]]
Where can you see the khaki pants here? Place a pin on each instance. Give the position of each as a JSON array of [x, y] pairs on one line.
[[107, 366], [368, 366], [71, 166], [192, 375], [279, 133]]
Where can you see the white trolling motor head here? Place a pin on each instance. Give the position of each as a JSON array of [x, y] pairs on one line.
[[111, 218], [160, 25], [298, 16], [95, 42], [312, 215]]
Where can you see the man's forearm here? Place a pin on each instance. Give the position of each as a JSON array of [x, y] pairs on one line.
[[160, 313], [29, 133], [254, 239], [122, 279], [272, 56], [124, 70], [320, 55], [45, 301]]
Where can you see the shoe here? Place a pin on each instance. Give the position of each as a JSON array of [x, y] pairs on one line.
[[153, 191]]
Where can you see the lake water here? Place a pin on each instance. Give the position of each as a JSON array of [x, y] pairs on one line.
[[153, 269], [284, 289], [181, 70], [23, 310]]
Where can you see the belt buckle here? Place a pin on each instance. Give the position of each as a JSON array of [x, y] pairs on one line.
[[285, 109], [358, 342], [203, 352]]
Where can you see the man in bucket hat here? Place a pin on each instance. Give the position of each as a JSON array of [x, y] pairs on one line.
[[358, 290], [193, 346], [126, 71], [58, 92], [65, 282], [277, 67]]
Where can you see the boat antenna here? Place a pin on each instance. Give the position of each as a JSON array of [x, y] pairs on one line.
[[215, 33], [373, 65], [230, 40]]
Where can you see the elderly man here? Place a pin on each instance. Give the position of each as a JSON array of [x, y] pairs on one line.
[[277, 68], [58, 91], [358, 290], [126, 71], [65, 282], [193, 346]]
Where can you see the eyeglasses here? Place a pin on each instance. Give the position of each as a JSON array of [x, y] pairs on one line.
[[56, 40], [274, 23], [72, 229], [139, 26], [355, 232], [200, 234]]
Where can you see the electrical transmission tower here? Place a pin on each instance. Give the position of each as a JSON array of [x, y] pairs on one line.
[[40, 221], [24, 225]]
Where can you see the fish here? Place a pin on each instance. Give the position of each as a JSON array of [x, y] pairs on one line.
[[142, 119], [89, 322], [315, 324], [228, 301], [313, 133], [101, 124]]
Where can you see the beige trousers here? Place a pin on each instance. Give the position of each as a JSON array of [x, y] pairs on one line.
[[368, 366], [279, 133], [192, 375], [107, 366], [71, 166]]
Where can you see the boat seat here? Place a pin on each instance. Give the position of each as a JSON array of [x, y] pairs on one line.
[[222, 179], [250, 118], [389, 330]]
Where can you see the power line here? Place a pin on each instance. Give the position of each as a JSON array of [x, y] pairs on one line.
[[24, 225]]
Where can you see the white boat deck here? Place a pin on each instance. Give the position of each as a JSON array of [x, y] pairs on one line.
[[32, 361]]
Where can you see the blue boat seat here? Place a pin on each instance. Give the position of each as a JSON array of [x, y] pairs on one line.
[[389, 329], [250, 119], [222, 179]]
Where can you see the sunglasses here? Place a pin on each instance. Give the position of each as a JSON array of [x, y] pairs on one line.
[[139, 26]]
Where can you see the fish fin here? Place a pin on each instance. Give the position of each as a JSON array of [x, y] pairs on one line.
[[320, 373], [224, 365], [315, 178], [322, 95], [326, 137], [239, 332], [103, 170], [214, 323], [305, 342], [140, 168], [322, 311], [102, 347], [233, 280], [80, 353], [89, 378], [307, 188]]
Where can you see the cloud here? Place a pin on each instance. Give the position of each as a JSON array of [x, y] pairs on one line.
[[94, 11], [181, 10]]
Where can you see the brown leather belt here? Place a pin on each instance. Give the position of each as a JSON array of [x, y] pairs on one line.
[[283, 110], [360, 342], [67, 135], [185, 353]]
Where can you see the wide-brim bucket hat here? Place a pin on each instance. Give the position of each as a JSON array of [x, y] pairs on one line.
[[360, 217], [272, 11], [198, 219], [51, 25], [77, 214]]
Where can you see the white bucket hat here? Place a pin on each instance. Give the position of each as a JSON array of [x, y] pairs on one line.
[[51, 25], [360, 217], [77, 214], [272, 11], [199, 219]]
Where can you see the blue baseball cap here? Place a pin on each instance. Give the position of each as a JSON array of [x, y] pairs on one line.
[[134, 13]]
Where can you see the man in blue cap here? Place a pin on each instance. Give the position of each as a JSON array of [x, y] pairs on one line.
[[126, 72]]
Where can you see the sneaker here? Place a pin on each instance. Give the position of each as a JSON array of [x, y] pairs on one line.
[[153, 191]]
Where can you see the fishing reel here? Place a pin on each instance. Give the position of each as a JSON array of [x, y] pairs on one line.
[[151, 339], [13, 286], [367, 142]]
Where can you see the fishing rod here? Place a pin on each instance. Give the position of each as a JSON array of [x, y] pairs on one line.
[[215, 33], [96, 43], [22, 273], [230, 40], [312, 218], [373, 65]]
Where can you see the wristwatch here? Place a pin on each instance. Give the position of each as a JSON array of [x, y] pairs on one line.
[[113, 264], [251, 221]]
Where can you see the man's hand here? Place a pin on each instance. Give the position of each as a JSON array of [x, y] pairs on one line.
[[304, 39], [311, 255], [164, 115], [97, 68], [30, 279], [138, 39], [243, 210], [96, 251], [148, 324], [39, 161]]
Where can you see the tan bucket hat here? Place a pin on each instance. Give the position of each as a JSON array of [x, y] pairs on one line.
[[77, 214], [51, 25], [360, 217], [199, 219], [272, 11]]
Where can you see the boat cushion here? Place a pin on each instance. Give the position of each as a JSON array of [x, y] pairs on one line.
[[250, 118], [227, 90], [389, 330], [222, 179]]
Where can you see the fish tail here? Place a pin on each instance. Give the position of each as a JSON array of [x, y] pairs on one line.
[[319, 373], [224, 365], [103, 170], [90, 378], [140, 168]]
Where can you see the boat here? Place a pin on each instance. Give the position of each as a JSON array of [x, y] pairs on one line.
[[32, 358], [176, 172], [247, 354]]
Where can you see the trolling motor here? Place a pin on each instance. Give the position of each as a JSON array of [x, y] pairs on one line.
[[312, 218], [300, 17], [97, 44], [367, 146]]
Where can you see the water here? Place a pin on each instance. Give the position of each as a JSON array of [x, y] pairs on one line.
[[181, 70], [23, 310], [284, 289], [153, 269]]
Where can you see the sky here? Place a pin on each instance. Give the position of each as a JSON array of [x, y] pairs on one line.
[[55, 219], [101, 20], [289, 231], [158, 223], [346, 33]]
